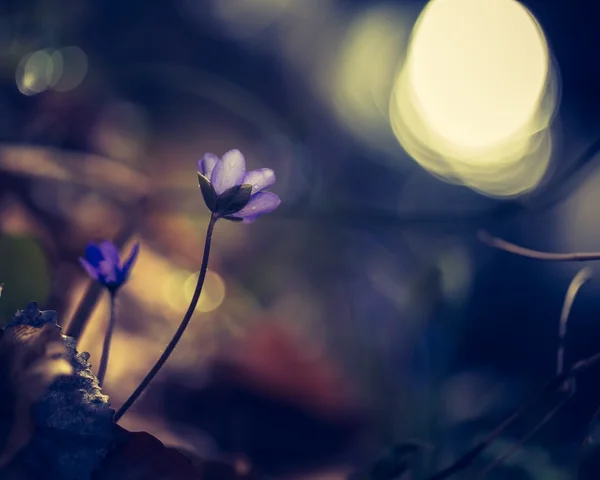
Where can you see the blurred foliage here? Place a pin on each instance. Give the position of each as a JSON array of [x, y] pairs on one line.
[[25, 272]]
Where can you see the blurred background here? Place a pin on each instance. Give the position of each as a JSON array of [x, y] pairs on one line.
[[396, 129]]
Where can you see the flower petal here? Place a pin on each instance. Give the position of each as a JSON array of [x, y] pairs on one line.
[[260, 179], [229, 171], [91, 271], [93, 255], [207, 163], [107, 272], [130, 261], [110, 253], [259, 204]]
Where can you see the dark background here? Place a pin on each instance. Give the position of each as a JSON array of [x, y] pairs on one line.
[[183, 82]]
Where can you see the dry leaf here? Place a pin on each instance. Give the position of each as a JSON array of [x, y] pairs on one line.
[[31, 358], [140, 456], [48, 390]]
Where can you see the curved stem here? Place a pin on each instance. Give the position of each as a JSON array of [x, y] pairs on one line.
[[582, 276], [107, 339], [179, 333], [501, 244]]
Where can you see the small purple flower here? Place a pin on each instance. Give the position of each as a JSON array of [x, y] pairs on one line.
[[231, 192], [102, 262]]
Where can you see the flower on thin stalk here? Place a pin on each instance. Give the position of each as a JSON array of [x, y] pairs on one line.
[[232, 193], [102, 262]]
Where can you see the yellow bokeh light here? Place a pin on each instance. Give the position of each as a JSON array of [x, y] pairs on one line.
[[61, 70], [173, 292], [57, 68], [478, 69], [74, 68], [213, 291], [35, 72], [364, 72], [476, 95]]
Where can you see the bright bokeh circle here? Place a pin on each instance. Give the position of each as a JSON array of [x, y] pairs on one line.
[[476, 95]]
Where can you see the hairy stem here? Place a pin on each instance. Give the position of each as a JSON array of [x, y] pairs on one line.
[[180, 330]]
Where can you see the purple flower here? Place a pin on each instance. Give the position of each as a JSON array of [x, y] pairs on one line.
[[102, 262], [231, 192]]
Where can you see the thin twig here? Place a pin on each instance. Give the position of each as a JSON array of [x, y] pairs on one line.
[[588, 439], [85, 307], [495, 242], [595, 418], [466, 459], [578, 281], [107, 340], [515, 448]]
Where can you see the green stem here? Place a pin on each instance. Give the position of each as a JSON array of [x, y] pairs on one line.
[[178, 334], [107, 339]]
